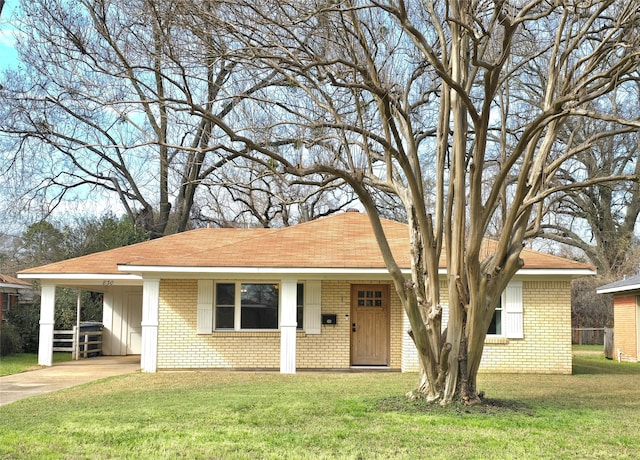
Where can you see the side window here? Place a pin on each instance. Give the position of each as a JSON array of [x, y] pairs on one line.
[[508, 319], [259, 306], [239, 306], [5, 301], [300, 306], [225, 305], [495, 328]]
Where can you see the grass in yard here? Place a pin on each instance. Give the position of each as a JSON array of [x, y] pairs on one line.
[[595, 413], [23, 362]]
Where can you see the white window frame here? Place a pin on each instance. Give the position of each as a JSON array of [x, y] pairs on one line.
[[237, 312], [512, 313], [500, 309], [237, 305], [300, 327]]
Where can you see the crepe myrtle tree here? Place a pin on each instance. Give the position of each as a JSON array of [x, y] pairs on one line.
[[455, 108]]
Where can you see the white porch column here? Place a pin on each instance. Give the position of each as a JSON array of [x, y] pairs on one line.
[[288, 326], [150, 307], [47, 308]]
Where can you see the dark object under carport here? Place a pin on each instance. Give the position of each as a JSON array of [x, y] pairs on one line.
[[93, 342]]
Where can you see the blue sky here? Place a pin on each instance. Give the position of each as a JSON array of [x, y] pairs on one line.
[[12, 224], [8, 56]]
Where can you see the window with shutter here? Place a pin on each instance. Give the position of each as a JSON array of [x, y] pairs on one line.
[[507, 320], [513, 311]]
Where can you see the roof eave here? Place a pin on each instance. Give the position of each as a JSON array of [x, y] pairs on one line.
[[573, 272], [15, 286], [141, 269], [614, 290], [80, 276]]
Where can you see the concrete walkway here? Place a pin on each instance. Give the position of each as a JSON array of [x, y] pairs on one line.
[[64, 375]]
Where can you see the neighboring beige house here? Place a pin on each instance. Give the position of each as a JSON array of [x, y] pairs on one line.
[[12, 290], [626, 317], [313, 296]]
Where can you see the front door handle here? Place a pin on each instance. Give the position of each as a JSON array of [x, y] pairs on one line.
[[353, 327]]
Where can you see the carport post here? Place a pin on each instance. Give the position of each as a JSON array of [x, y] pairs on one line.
[[150, 306], [76, 343], [288, 326], [47, 321]]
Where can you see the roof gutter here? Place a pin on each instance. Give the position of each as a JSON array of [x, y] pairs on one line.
[[613, 290], [325, 271], [15, 286], [79, 276]]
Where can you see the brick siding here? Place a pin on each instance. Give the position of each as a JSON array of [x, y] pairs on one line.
[[546, 347], [625, 333], [180, 347]]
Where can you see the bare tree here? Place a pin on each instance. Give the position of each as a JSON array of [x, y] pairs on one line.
[[600, 219], [92, 111], [383, 94], [252, 195]]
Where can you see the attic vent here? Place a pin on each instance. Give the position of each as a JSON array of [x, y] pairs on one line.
[[352, 210]]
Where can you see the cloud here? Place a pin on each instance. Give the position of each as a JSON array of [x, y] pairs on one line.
[[8, 52], [8, 34], [7, 37]]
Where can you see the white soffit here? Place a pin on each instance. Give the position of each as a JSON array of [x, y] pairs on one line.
[[613, 290], [323, 271], [81, 276]]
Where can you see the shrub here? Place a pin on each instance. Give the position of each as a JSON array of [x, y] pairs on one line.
[[10, 341], [25, 319]]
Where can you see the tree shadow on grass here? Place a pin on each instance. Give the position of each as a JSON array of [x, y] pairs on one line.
[[599, 365], [488, 407]]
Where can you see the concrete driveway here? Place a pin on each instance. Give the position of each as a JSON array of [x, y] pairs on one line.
[[64, 375]]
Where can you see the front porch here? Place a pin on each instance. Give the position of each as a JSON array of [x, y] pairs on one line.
[[131, 317]]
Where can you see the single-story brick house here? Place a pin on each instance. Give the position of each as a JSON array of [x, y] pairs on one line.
[[12, 291], [626, 317], [312, 296]]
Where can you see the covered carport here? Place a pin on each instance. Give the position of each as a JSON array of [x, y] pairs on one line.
[[122, 310], [131, 299]]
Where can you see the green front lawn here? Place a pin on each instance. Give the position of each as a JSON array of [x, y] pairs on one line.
[[595, 413], [23, 362]]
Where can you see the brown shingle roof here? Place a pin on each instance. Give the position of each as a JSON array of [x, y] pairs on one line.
[[6, 279], [340, 241], [162, 250]]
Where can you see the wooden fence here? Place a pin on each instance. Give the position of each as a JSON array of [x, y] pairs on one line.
[[81, 344], [608, 342], [588, 336]]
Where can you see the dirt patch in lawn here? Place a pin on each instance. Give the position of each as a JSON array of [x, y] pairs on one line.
[[488, 407]]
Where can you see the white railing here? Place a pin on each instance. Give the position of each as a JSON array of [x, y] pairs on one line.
[[80, 344]]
